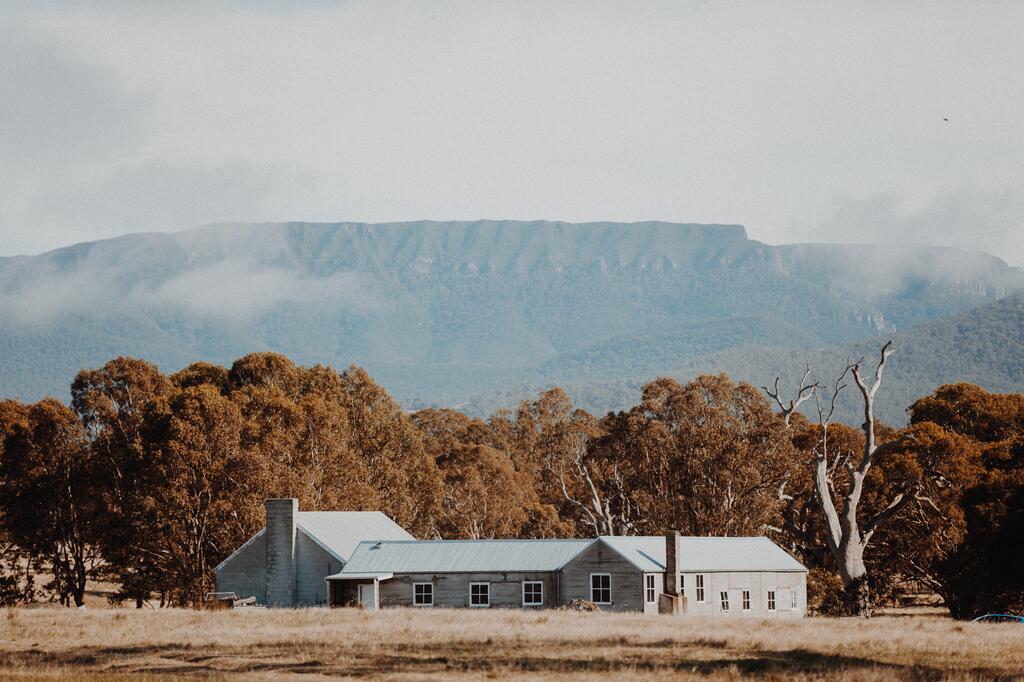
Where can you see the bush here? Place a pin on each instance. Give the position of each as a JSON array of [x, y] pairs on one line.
[[824, 593]]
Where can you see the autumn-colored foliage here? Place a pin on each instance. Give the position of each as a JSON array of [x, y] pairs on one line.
[[152, 480]]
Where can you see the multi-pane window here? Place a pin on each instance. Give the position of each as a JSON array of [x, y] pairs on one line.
[[533, 593], [423, 594], [480, 594], [792, 600], [746, 600], [700, 588], [600, 588], [649, 587], [771, 600], [682, 584], [725, 601]]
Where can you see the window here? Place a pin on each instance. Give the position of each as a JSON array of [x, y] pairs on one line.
[[682, 584], [700, 589], [792, 600], [746, 600], [601, 588], [725, 601], [649, 589], [771, 600], [533, 593], [480, 595], [423, 594]]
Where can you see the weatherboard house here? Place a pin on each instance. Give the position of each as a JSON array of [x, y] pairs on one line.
[[365, 559]]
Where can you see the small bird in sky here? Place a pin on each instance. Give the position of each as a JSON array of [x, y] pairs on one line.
[[946, 120]]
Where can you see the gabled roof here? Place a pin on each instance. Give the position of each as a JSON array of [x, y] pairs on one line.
[[702, 554], [339, 532], [646, 552], [462, 556], [733, 554]]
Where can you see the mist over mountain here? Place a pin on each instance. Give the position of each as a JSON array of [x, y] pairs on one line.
[[445, 313]]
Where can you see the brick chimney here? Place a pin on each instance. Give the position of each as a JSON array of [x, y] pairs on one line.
[[280, 539], [671, 570]]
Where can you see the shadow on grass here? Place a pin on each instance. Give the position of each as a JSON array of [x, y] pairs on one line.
[[475, 659]]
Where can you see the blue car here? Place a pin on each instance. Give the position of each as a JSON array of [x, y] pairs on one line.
[[998, 618]]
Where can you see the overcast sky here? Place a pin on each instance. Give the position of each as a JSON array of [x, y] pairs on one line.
[[801, 121]]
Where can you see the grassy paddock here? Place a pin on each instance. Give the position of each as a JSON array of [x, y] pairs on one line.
[[413, 644]]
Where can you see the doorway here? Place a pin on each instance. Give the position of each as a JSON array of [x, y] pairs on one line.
[[367, 597]]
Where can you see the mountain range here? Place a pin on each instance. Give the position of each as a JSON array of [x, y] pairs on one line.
[[481, 314]]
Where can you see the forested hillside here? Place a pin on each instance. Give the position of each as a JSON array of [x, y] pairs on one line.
[[444, 313], [984, 346]]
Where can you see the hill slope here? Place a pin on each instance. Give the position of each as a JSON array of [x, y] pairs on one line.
[[441, 312], [984, 346]]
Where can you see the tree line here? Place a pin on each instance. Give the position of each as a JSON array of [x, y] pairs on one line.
[[150, 480]]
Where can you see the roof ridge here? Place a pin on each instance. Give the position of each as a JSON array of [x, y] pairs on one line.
[[467, 540]]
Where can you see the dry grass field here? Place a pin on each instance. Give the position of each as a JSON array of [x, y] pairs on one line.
[[403, 644]]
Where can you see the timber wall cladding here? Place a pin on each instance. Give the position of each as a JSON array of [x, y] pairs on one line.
[[452, 589], [312, 564], [758, 583], [245, 574], [626, 579]]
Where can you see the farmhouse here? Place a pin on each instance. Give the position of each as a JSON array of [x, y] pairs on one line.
[[377, 564], [284, 564]]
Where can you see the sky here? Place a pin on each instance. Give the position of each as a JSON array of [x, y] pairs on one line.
[[852, 122]]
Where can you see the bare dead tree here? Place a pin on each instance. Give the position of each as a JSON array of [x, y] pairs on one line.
[[804, 393], [607, 511], [846, 537]]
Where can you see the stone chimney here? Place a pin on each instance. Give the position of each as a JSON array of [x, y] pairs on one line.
[[280, 539], [671, 570]]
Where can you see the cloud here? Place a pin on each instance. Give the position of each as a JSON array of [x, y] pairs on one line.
[[975, 221], [233, 288], [57, 109], [237, 289], [148, 116]]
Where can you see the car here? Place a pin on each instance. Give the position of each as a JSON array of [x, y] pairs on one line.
[[999, 618]]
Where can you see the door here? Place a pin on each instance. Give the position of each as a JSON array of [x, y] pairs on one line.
[[367, 597]]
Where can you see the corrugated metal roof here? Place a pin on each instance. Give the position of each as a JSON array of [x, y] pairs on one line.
[[646, 552], [361, 576], [462, 556], [733, 554], [698, 554], [340, 532]]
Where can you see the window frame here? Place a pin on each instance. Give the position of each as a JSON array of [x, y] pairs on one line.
[[745, 600], [699, 587], [723, 597], [771, 600], [794, 601], [486, 585], [682, 584], [650, 589], [414, 595], [609, 588], [537, 603]]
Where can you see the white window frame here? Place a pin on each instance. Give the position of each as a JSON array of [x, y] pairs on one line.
[[650, 589], [600, 575], [771, 600], [431, 602], [533, 582], [794, 603], [745, 601], [682, 584], [488, 593], [699, 580]]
